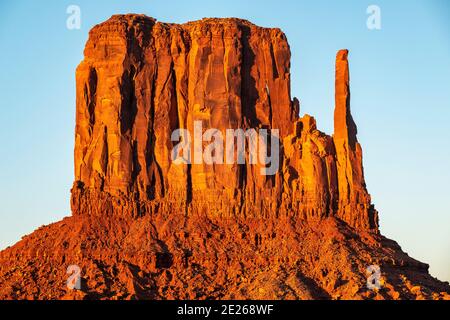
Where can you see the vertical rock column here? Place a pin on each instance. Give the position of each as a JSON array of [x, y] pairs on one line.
[[354, 206]]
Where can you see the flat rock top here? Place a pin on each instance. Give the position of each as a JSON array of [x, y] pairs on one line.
[[134, 19]]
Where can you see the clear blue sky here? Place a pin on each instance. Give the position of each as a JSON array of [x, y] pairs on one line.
[[400, 78]]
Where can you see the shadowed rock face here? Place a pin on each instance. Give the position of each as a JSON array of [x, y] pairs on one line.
[[145, 228], [141, 80]]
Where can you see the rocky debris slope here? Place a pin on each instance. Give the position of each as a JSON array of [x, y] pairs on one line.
[[144, 227]]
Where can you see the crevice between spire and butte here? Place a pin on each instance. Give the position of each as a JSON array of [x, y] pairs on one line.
[[141, 79]]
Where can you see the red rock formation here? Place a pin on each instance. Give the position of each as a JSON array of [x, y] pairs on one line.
[[144, 227], [354, 201], [141, 80]]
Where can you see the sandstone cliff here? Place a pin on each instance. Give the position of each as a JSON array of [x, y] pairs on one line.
[[141, 80], [144, 227]]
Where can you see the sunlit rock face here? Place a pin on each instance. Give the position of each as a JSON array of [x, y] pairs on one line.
[[141, 80]]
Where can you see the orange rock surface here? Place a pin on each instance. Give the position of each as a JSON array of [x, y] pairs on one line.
[[146, 228], [140, 80]]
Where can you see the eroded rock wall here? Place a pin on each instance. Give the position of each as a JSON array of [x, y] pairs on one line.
[[141, 80]]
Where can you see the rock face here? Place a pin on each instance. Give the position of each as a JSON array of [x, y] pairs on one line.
[[141, 80], [354, 201], [145, 227]]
